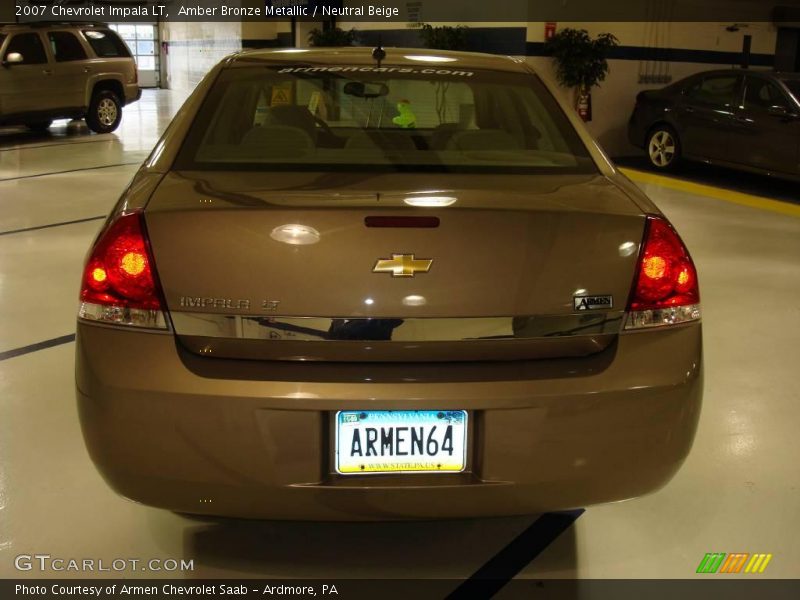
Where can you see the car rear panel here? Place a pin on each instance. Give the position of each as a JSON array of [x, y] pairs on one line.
[[254, 439], [506, 265]]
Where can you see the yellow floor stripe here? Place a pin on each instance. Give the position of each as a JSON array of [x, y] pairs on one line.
[[784, 208]]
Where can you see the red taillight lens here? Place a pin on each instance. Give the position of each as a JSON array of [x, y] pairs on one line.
[[119, 280], [666, 275], [665, 281]]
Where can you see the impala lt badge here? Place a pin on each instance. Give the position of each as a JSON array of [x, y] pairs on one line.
[[220, 303], [226, 303], [402, 265]]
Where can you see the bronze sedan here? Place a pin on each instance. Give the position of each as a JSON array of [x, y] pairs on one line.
[[351, 288]]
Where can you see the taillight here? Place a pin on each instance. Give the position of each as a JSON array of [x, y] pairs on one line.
[[120, 284], [665, 289]]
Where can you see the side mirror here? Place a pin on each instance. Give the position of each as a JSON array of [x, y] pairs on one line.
[[13, 58]]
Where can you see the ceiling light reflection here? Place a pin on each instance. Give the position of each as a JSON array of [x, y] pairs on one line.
[[628, 248], [295, 234], [430, 201], [415, 300], [430, 58]]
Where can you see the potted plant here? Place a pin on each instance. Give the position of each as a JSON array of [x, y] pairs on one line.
[[444, 37], [581, 63], [332, 36]]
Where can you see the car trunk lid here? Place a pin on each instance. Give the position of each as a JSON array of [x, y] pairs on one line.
[[293, 267]]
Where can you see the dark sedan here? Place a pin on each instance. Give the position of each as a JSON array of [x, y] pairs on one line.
[[742, 119]]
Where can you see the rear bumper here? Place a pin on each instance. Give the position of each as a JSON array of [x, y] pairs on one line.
[[252, 439]]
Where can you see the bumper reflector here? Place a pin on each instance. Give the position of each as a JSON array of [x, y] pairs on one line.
[[645, 319], [122, 315]]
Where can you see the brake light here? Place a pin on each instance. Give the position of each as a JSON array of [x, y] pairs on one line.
[[120, 284], [665, 288]]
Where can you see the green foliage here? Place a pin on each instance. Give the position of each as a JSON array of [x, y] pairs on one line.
[[580, 60], [332, 37], [444, 37]]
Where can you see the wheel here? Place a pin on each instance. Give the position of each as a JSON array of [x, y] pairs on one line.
[[39, 126], [105, 112], [663, 148]]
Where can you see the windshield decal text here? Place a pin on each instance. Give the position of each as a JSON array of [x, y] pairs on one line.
[[369, 69]]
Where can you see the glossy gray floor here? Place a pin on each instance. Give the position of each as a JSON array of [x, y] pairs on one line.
[[738, 492]]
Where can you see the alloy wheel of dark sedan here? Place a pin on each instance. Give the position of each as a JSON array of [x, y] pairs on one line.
[[663, 148]]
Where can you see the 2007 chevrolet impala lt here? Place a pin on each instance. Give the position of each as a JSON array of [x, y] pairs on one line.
[[354, 284]]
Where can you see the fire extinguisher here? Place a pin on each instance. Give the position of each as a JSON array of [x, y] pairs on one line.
[[585, 104]]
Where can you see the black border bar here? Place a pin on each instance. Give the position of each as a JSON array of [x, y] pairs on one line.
[[733, 588], [404, 10]]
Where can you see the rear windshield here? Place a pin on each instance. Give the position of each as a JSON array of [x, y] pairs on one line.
[[794, 87], [106, 43], [389, 118]]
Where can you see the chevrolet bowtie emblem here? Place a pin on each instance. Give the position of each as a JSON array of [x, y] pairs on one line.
[[402, 265]]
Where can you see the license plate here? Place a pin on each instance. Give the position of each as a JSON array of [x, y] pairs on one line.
[[401, 441]]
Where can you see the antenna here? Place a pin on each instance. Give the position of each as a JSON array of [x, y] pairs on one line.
[[378, 53]]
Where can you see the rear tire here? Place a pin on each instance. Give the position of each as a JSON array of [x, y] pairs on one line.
[[39, 126], [663, 148], [105, 112]]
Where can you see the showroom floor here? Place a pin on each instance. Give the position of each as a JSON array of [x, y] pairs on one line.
[[738, 491]]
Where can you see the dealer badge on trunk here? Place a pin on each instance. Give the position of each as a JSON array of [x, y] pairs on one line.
[[593, 302]]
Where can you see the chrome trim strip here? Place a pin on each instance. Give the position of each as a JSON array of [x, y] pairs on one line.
[[432, 329]]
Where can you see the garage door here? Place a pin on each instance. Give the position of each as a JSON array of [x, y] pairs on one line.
[[142, 39]]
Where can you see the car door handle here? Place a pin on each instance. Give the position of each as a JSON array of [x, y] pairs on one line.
[[87, 69], [48, 71], [688, 109]]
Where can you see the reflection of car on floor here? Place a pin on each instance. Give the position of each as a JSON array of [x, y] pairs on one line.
[[306, 307], [737, 118], [59, 71]]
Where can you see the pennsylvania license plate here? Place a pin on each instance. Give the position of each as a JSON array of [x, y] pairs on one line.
[[401, 441]]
